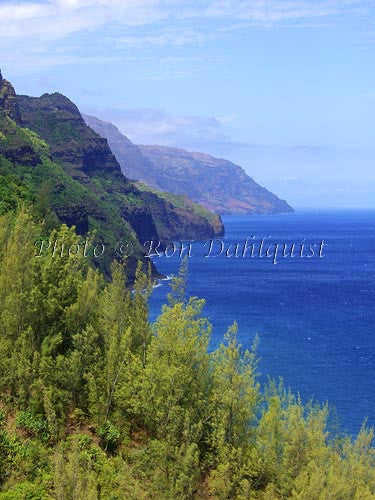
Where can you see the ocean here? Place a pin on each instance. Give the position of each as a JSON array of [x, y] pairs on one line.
[[314, 312]]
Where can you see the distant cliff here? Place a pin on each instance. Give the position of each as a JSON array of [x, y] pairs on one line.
[[217, 184], [134, 164]]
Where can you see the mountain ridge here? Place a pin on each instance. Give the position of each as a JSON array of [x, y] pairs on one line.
[[216, 183], [47, 151], [87, 158]]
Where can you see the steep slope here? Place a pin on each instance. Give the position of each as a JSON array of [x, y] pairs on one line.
[[27, 174], [53, 161], [217, 184], [182, 202], [86, 157], [8, 99], [134, 164]]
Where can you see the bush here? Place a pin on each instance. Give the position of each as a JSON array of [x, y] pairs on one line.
[[109, 436], [34, 425]]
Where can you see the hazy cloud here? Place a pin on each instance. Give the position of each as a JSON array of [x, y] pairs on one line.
[[150, 126], [54, 19], [31, 32]]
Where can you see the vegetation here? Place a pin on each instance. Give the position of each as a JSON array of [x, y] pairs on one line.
[[97, 403], [28, 174], [53, 161], [86, 157], [182, 201]]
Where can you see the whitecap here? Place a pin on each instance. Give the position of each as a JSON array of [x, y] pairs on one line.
[[168, 278]]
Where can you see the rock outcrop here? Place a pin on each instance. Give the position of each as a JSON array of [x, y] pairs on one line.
[[8, 100]]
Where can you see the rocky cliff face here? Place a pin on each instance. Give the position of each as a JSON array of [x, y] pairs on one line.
[[28, 175], [51, 159], [87, 158], [217, 184], [13, 146], [134, 164], [72, 144], [8, 101]]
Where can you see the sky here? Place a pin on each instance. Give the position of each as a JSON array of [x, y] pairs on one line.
[[284, 88]]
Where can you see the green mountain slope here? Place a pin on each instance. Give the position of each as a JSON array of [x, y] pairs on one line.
[[28, 175], [48, 151], [86, 157]]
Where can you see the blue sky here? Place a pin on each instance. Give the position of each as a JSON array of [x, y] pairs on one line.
[[285, 88]]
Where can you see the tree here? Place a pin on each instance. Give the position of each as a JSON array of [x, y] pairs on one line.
[[233, 408], [16, 312]]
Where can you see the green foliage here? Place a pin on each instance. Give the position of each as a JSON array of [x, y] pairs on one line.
[[10, 449], [12, 191], [28, 176], [181, 201], [234, 402], [34, 425], [27, 491], [109, 436], [37, 143], [96, 403], [74, 474]]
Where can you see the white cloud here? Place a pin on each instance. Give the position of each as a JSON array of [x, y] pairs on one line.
[[58, 18], [270, 11], [72, 31], [150, 126], [176, 37]]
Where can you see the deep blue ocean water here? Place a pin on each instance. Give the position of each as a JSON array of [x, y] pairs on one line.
[[315, 316]]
